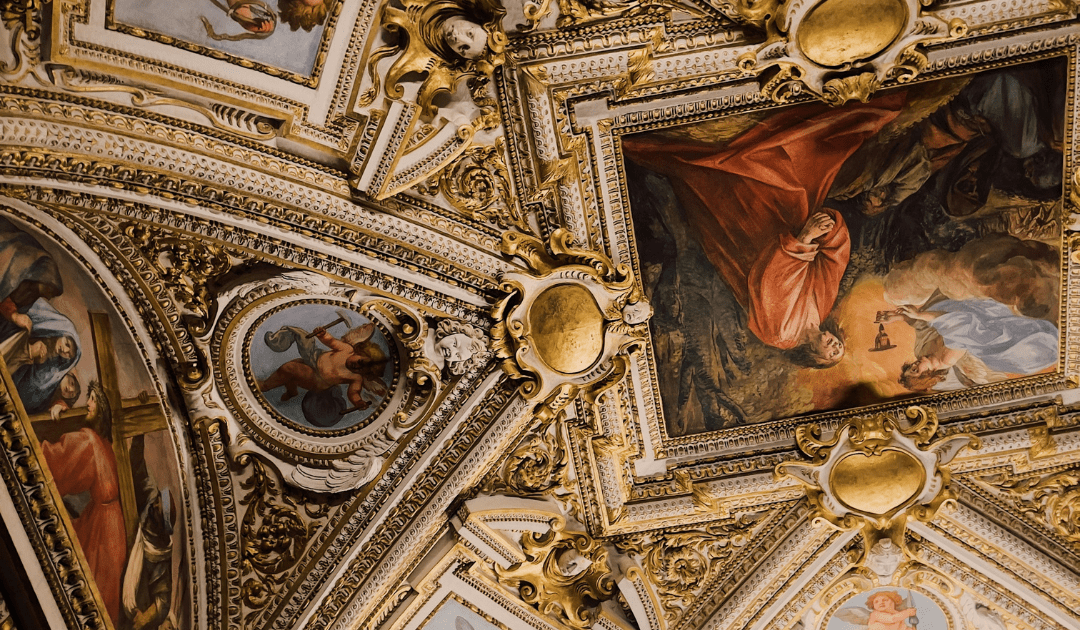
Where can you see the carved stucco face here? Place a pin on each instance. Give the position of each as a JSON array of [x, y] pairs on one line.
[[571, 563], [467, 39], [636, 312], [885, 557], [455, 348]]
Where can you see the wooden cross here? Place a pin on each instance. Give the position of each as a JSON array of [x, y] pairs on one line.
[[130, 417]]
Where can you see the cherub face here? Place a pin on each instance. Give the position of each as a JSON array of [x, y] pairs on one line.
[[884, 603], [455, 348], [636, 313], [467, 39]]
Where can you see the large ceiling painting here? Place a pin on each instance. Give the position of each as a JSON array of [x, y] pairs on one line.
[[816, 258], [97, 428]]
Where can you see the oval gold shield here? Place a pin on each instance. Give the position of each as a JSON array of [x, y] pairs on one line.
[[568, 328], [839, 31], [877, 484]]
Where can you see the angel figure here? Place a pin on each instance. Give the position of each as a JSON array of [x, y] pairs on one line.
[[880, 613], [255, 16], [353, 360]]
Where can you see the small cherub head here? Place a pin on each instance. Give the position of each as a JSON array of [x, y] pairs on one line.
[[459, 344], [463, 32], [636, 313], [465, 38], [885, 601]]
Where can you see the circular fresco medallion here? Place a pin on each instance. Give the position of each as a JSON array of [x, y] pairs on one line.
[[888, 607], [321, 366]]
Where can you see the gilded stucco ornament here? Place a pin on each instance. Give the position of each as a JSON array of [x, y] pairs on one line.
[[416, 118], [832, 50], [187, 266], [277, 342], [565, 328], [579, 12], [477, 184], [446, 40], [564, 575], [459, 347], [876, 475], [1049, 498], [681, 564]]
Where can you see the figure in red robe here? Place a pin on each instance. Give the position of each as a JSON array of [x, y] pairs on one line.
[[756, 208], [82, 461]]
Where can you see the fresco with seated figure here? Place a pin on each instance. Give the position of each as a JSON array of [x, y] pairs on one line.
[[100, 431], [812, 258]]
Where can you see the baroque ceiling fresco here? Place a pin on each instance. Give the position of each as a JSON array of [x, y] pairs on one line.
[[539, 314]]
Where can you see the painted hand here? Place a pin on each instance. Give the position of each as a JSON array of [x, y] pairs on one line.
[[23, 321], [819, 224]]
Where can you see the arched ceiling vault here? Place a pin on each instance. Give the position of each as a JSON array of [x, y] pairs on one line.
[[609, 314]]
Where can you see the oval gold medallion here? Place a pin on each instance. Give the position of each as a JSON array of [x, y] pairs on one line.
[[567, 328], [841, 31], [876, 484]]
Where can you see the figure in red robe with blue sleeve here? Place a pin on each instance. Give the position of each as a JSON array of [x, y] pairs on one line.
[[82, 461], [755, 206]]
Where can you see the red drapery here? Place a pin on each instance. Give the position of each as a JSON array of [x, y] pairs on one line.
[[82, 461], [747, 201]]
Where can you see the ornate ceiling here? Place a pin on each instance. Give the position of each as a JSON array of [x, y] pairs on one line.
[[610, 314]]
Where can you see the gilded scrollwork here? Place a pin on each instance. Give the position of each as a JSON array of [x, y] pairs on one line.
[[580, 12], [22, 13], [275, 529], [875, 473], [565, 575], [477, 184], [446, 40], [187, 266], [1052, 499], [563, 328], [799, 51], [680, 564], [537, 466]]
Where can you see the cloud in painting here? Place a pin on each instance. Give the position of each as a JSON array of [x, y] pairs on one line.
[[1020, 274]]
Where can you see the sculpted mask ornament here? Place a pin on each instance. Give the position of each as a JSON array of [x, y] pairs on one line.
[[875, 475], [884, 558], [563, 328], [445, 40], [565, 575], [461, 346]]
